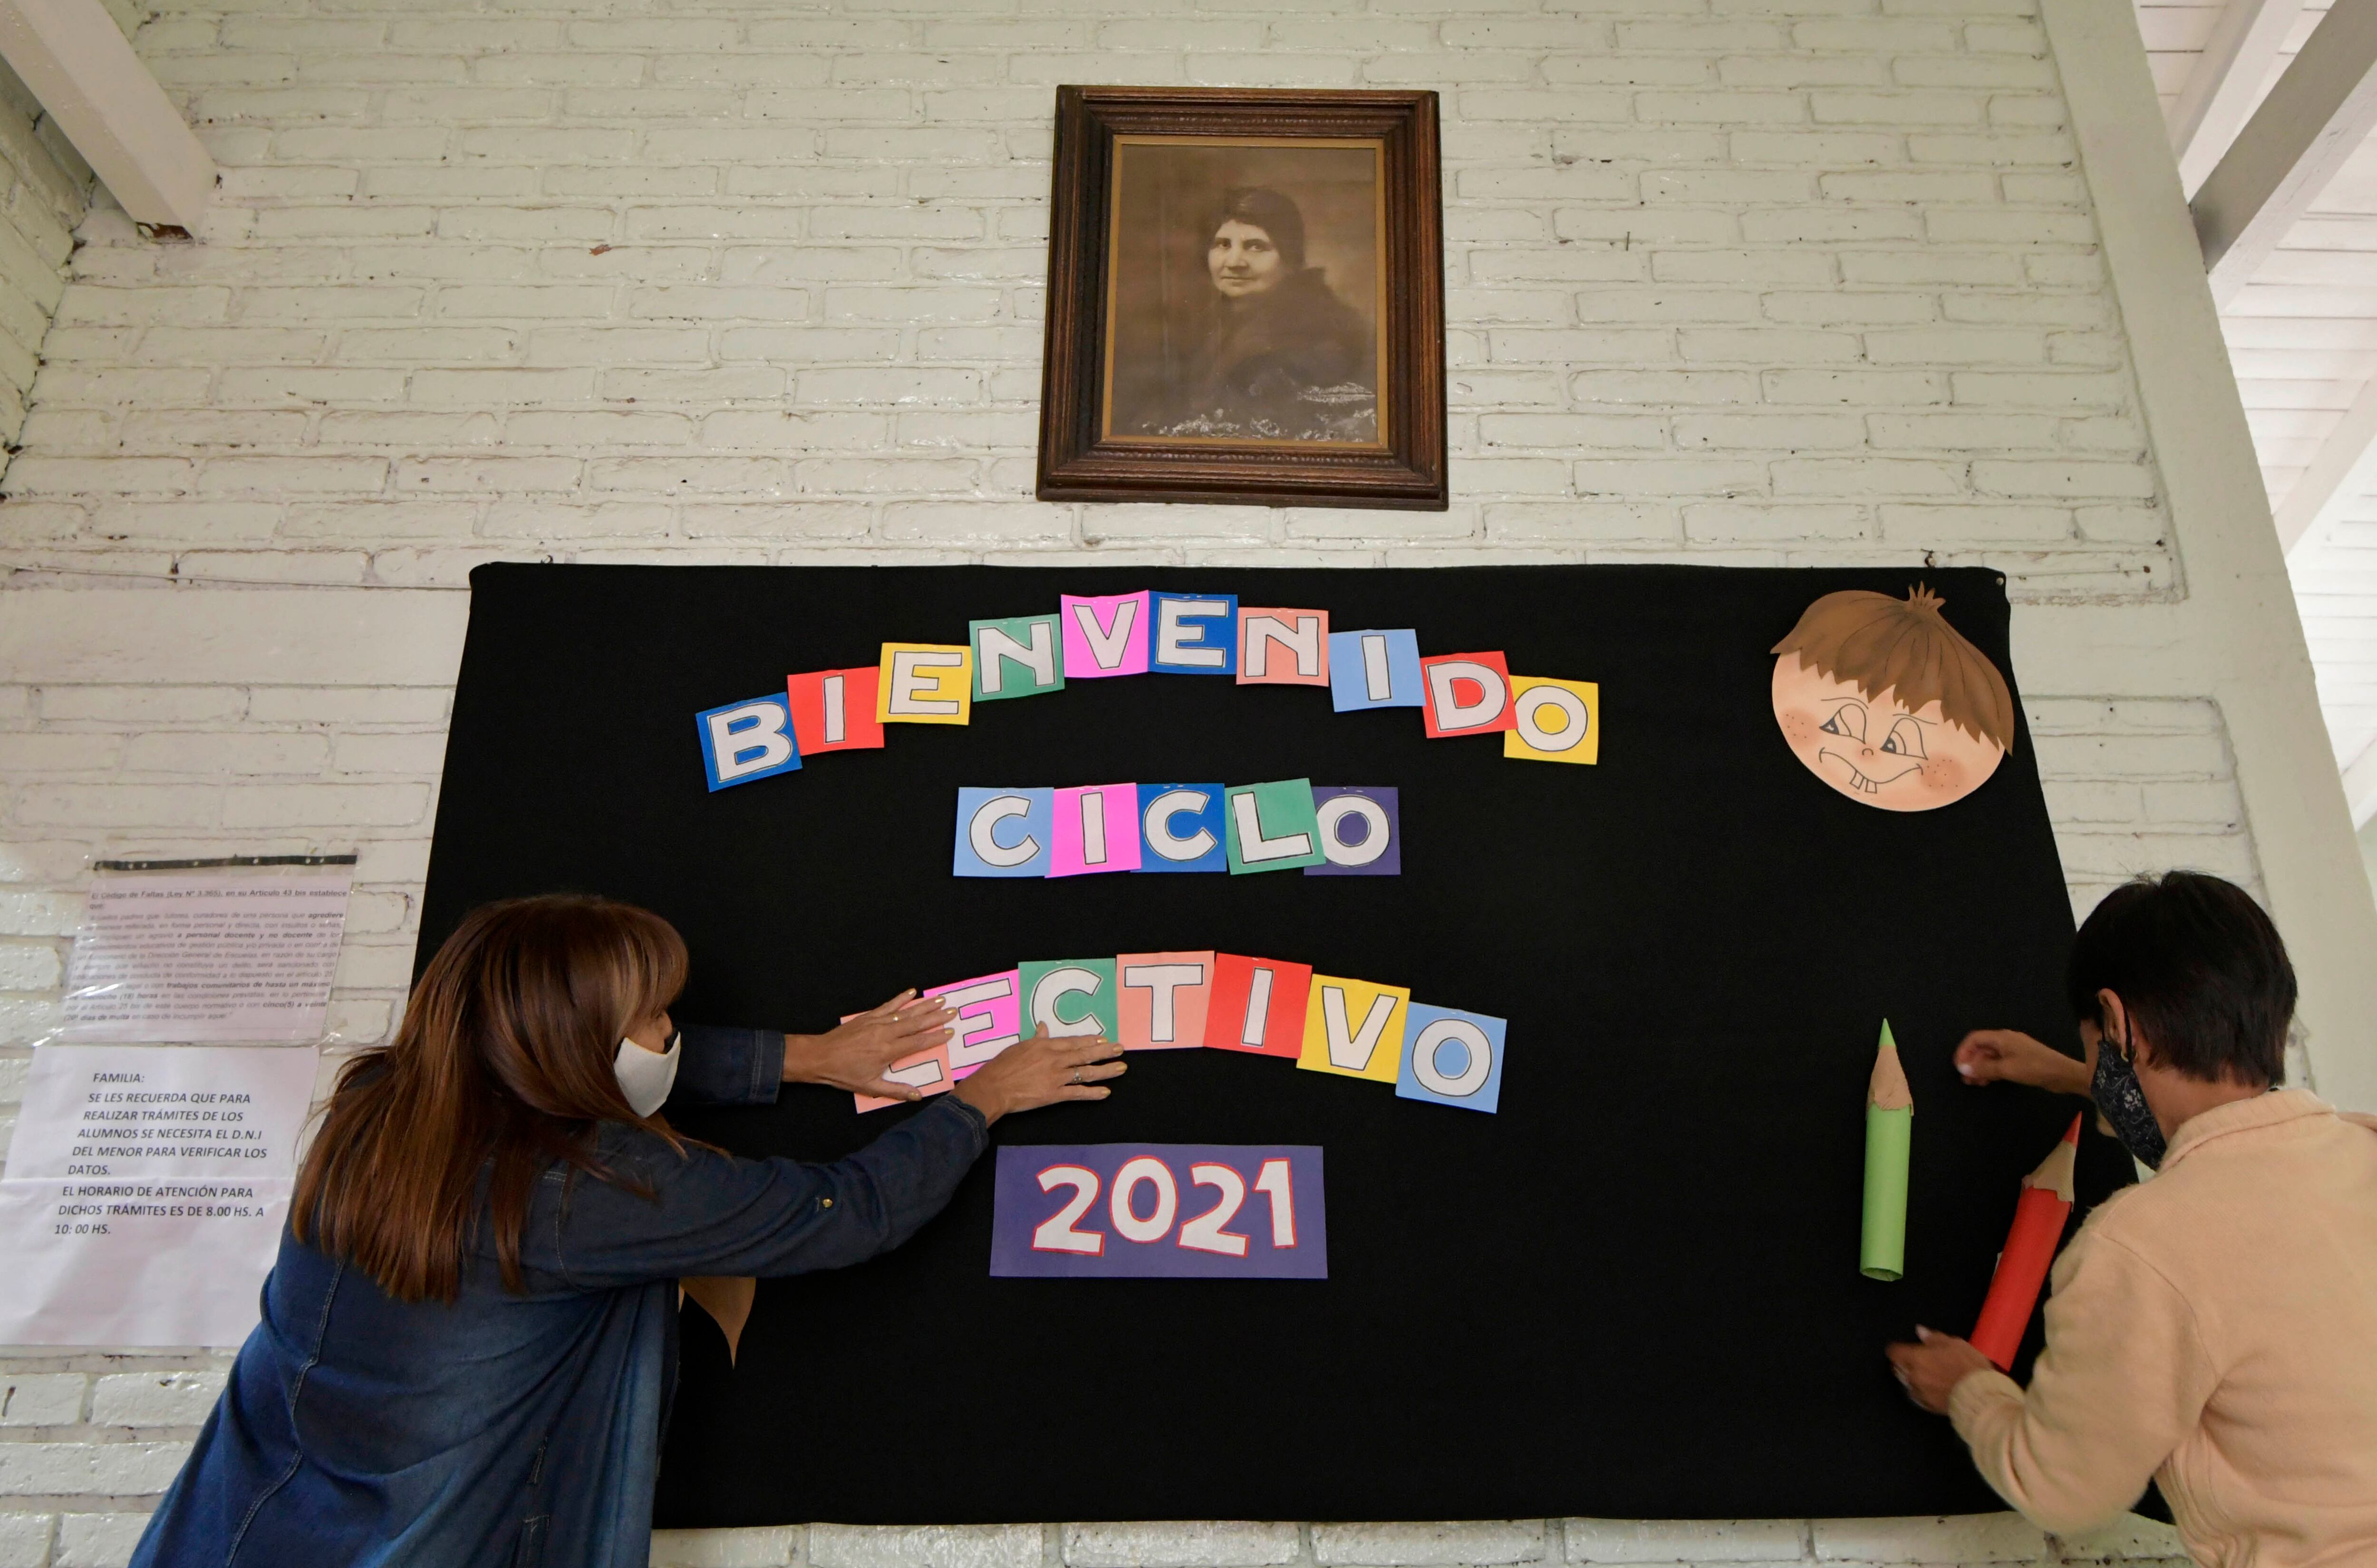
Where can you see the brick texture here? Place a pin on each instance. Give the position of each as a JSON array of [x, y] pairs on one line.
[[1765, 282], [44, 191], [1813, 281]]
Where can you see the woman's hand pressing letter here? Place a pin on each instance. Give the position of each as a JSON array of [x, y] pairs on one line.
[[1041, 1071], [855, 1056]]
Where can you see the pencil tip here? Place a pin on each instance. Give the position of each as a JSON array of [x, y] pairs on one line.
[[1888, 1044]]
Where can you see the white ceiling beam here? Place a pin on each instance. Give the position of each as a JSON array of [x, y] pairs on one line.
[[82, 68], [2343, 467], [2220, 91], [2316, 116], [2360, 787]]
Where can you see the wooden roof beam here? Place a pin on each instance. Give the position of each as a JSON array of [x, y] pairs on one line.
[[2316, 116], [2219, 93], [82, 68], [2344, 466]]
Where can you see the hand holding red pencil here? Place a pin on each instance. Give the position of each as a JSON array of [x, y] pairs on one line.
[[2038, 1220], [1930, 1369]]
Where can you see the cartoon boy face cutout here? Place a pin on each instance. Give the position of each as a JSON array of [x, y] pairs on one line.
[[1885, 701]]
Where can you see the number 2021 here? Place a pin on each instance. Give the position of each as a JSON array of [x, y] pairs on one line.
[[1205, 1232]]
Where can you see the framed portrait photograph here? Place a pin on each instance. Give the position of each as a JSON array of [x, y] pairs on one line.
[[1246, 299]]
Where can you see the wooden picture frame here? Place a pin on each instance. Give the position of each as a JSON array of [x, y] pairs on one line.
[[1246, 299]]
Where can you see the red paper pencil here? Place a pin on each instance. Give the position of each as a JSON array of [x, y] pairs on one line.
[[2030, 1248]]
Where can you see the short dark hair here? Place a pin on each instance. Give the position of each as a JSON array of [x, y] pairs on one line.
[[1267, 210], [2201, 970]]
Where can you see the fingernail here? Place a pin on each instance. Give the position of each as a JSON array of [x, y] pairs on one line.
[[1965, 1069]]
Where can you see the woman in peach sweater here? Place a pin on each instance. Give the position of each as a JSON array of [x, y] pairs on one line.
[[2215, 1327]]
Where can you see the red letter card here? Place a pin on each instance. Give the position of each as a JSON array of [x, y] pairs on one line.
[[1258, 1006], [1467, 694], [834, 710]]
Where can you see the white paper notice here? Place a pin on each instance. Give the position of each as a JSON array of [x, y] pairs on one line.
[[207, 955], [146, 1190]]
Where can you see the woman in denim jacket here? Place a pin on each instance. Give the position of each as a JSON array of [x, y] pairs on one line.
[[468, 1341]]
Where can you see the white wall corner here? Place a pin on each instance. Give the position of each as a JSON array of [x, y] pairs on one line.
[[2236, 637]]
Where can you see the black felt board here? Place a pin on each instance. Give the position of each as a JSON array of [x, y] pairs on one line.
[[1632, 1293]]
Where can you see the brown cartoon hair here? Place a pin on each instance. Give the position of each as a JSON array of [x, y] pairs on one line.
[[1905, 645]]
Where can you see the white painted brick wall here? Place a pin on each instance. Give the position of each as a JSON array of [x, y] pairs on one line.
[[1769, 282], [44, 191], [1775, 281]]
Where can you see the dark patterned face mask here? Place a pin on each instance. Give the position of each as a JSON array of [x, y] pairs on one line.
[[2116, 1091]]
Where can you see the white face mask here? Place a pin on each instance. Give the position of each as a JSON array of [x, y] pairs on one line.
[[645, 1077]]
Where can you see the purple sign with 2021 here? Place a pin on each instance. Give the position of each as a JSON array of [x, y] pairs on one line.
[[1159, 1211]]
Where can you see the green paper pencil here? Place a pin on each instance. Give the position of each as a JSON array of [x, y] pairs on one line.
[[1889, 1137]]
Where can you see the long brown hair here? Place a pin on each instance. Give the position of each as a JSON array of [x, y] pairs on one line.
[[504, 1056]]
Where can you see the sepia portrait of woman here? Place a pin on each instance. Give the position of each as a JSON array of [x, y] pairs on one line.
[[1231, 327], [1283, 358]]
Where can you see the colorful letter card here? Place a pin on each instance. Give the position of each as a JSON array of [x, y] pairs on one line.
[[1374, 669], [989, 1010], [1257, 1005], [1361, 832], [1004, 833], [1273, 827], [1016, 658], [1158, 1211], [1455, 1058], [1105, 636], [1552, 720], [750, 740], [1097, 830], [1163, 998], [834, 710], [1196, 634], [1283, 647], [986, 1008], [1180, 828], [924, 684], [1467, 694], [927, 1073], [1355, 1028], [1070, 996]]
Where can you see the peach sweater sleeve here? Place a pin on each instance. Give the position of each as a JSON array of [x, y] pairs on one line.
[[2123, 1382]]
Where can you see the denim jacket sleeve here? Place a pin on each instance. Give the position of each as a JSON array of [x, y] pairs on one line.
[[714, 1214], [728, 1067]]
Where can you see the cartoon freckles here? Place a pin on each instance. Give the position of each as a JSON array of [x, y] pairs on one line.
[[1884, 700]]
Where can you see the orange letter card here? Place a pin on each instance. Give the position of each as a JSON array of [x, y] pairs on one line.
[[1163, 998]]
